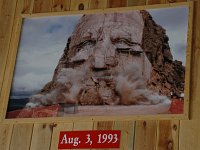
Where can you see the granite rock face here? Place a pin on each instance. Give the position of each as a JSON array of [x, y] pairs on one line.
[[115, 58], [168, 75]]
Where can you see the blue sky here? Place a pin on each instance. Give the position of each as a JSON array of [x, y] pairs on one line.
[[43, 41], [175, 21]]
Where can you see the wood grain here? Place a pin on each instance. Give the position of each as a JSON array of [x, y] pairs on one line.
[[78, 126], [103, 125], [175, 1], [12, 53], [118, 3], [189, 130], [5, 136], [6, 24], [83, 126], [127, 133], [145, 135], [41, 6], [136, 2], [97, 4], [56, 131], [28, 6], [189, 135], [61, 5], [168, 134], [1, 4], [79, 5], [21, 137], [41, 137], [151, 2]]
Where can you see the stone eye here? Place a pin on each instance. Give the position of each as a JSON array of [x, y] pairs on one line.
[[85, 43], [127, 47]]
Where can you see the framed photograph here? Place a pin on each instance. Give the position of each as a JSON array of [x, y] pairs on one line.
[[112, 64]]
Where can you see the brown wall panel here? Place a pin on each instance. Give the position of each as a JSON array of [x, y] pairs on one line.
[[136, 2], [127, 133], [145, 135], [61, 5], [189, 130], [168, 134], [79, 5], [97, 4], [28, 6], [150, 2], [41, 137], [7, 13], [56, 131], [5, 136], [21, 137], [118, 3], [41, 6]]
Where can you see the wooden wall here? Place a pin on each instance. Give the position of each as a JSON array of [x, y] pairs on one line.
[[137, 135]]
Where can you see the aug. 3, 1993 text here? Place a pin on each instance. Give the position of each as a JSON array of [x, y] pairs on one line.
[[89, 139]]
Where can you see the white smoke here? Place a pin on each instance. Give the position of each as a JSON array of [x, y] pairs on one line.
[[130, 85], [132, 88], [69, 81], [72, 79]]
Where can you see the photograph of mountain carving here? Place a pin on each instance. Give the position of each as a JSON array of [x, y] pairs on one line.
[[101, 64]]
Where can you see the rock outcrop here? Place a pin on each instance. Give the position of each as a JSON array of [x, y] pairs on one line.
[[168, 75], [89, 85]]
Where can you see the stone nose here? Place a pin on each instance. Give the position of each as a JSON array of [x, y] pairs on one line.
[[98, 60], [102, 53]]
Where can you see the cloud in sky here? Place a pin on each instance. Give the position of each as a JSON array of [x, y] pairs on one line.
[[43, 41], [41, 45]]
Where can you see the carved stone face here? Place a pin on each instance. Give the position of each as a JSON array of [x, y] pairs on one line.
[[103, 46]]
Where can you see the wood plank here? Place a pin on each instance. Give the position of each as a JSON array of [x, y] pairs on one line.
[[5, 136], [168, 131], [151, 2], [12, 52], [118, 3], [97, 4], [175, 1], [127, 133], [6, 24], [78, 126], [21, 137], [195, 71], [103, 125], [136, 2], [41, 6], [189, 130], [82, 126], [56, 132], [189, 135], [61, 5], [28, 6], [1, 4], [145, 135], [168, 135], [79, 5], [41, 137], [188, 61]]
